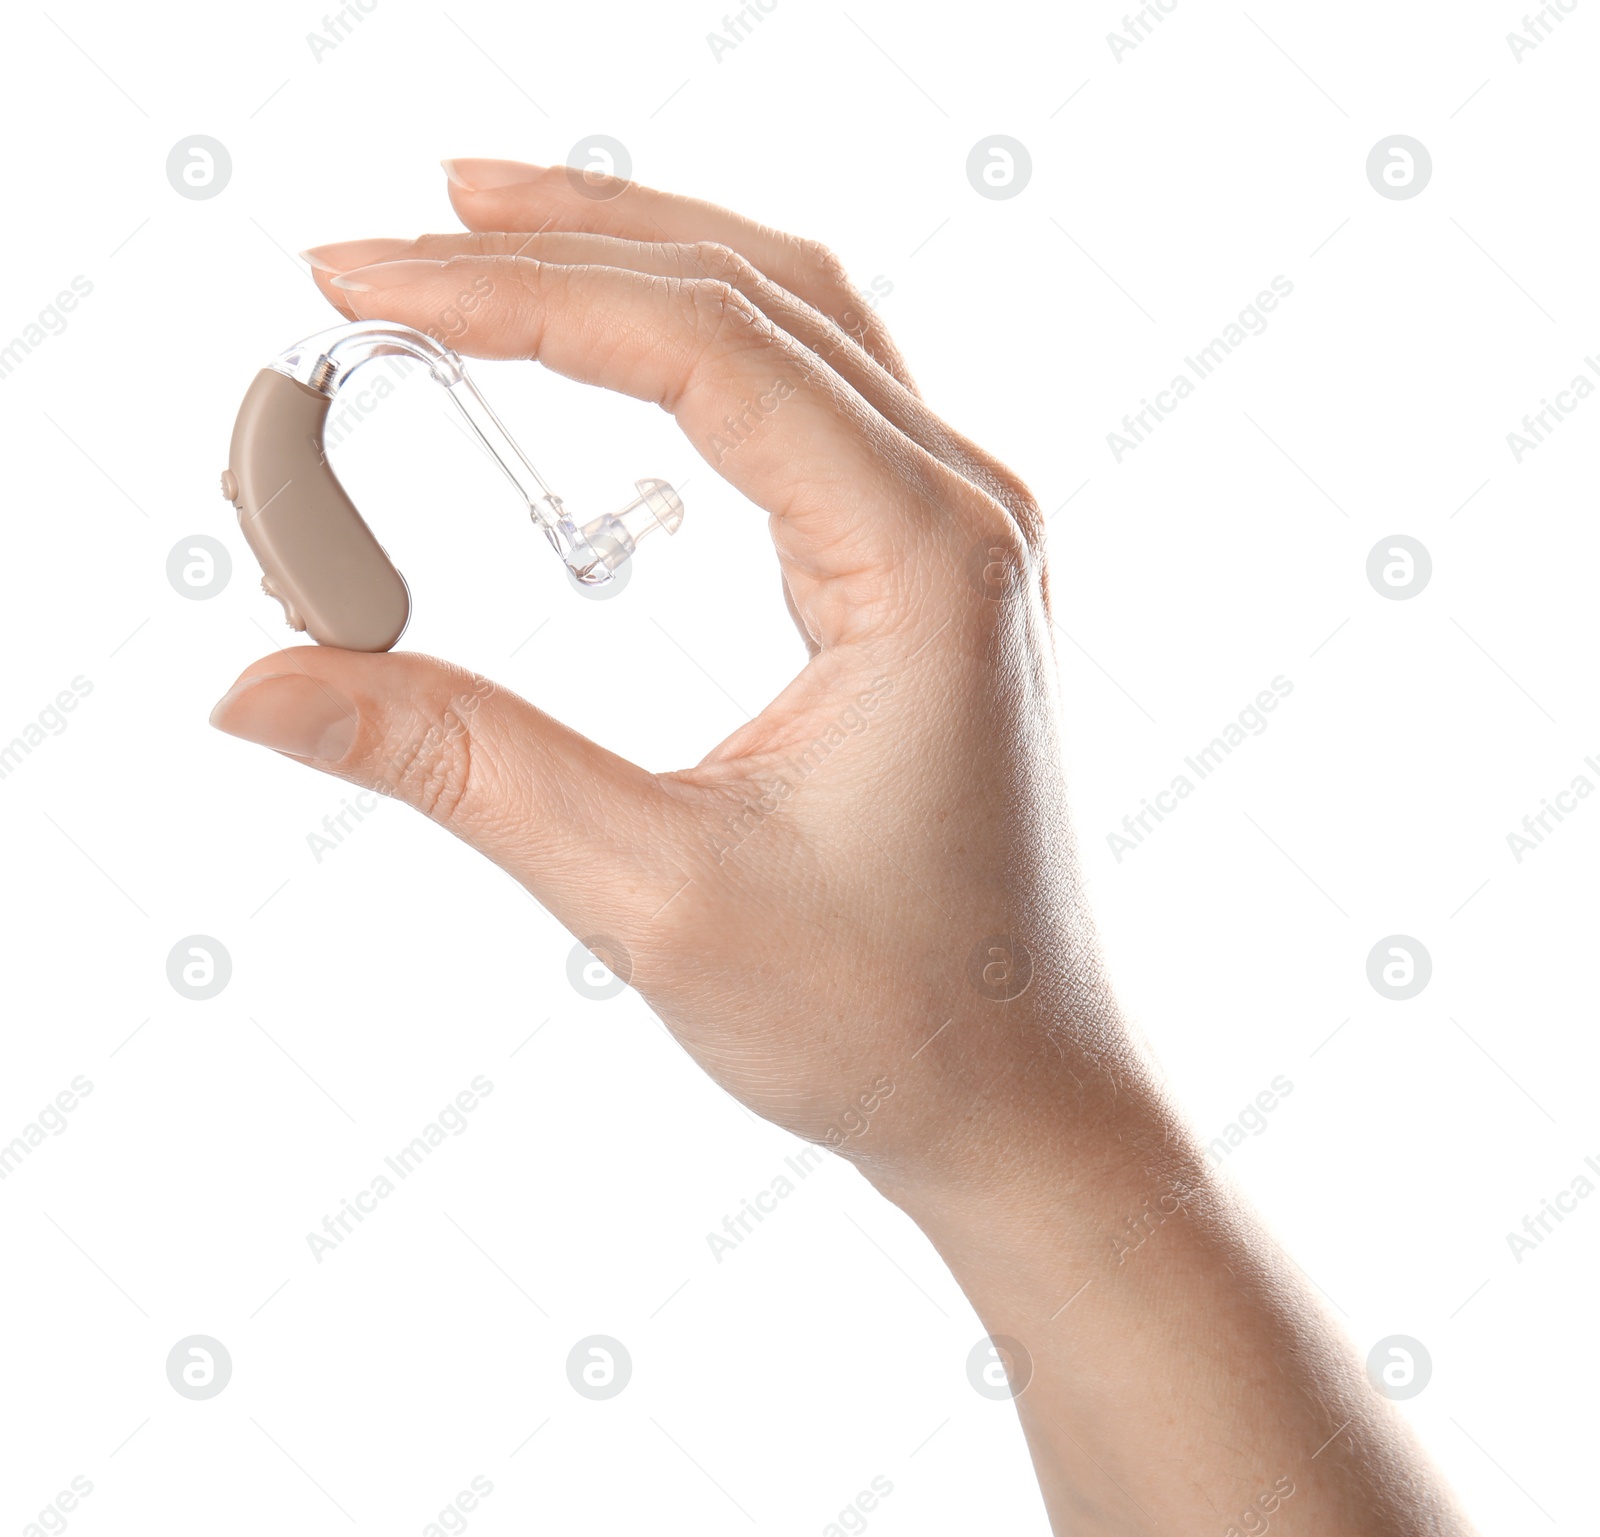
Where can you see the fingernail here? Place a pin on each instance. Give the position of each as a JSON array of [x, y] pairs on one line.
[[385, 275], [344, 255], [489, 175], [290, 713]]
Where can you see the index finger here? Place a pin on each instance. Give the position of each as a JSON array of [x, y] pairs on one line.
[[853, 501]]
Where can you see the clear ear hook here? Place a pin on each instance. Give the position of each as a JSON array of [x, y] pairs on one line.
[[319, 558]]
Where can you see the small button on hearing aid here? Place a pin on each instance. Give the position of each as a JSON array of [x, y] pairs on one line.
[[320, 560], [292, 619]]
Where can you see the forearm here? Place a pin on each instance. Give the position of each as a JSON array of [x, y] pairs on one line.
[[1175, 1371]]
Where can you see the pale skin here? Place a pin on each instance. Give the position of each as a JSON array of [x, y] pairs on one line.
[[871, 924]]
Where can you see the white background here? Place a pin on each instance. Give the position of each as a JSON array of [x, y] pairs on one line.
[[369, 988]]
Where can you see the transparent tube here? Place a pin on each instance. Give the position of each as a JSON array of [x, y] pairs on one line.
[[593, 551]]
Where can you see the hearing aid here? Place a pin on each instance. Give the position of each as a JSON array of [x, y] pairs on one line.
[[318, 557]]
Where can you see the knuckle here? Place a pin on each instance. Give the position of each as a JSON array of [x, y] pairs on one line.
[[442, 787], [995, 530], [1013, 494], [430, 764], [836, 295], [719, 262], [824, 266], [1001, 563], [518, 302], [719, 313], [1003, 485]]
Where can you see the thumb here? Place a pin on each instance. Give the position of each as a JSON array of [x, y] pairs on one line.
[[591, 835]]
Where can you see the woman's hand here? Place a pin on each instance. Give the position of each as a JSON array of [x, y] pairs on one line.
[[808, 907], [862, 911]]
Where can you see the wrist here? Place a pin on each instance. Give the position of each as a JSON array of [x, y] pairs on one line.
[[1169, 1367], [1062, 1161]]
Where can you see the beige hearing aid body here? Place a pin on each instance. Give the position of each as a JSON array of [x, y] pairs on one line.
[[318, 557]]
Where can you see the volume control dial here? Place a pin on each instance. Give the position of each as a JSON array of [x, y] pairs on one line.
[[292, 619]]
